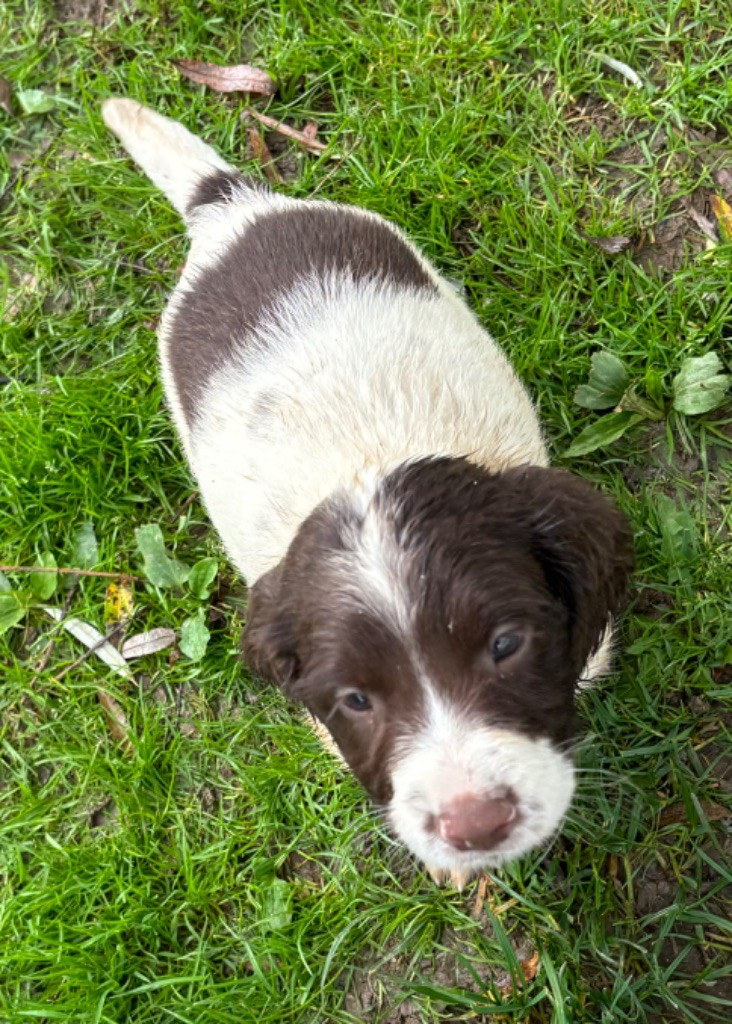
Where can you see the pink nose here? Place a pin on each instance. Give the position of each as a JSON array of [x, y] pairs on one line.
[[477, 822]]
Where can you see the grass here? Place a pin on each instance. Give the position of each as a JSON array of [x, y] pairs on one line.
[[226, 869]]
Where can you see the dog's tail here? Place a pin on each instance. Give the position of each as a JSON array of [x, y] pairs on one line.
[[187, 170]]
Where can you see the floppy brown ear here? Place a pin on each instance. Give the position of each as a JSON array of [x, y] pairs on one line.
[[585, 547], [268, 641]]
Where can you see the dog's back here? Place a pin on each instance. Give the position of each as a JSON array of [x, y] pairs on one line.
[[309, 347]]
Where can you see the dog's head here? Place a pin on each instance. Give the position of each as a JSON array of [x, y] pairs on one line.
[[437, 628]]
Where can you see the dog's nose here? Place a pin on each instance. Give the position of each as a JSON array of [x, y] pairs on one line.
[[477, 822]]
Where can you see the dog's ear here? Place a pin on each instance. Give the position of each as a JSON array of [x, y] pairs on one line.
[[585, 547], [268, 641]]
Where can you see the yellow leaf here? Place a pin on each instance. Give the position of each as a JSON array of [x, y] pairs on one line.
[[119, 602], [723, 213]]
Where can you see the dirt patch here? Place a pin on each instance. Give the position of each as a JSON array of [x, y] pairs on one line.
[[690, 948], [87, 12], [592, 115], [647, 178], [376, 994]]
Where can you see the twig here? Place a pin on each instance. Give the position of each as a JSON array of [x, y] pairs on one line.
[[71, 572], [290, 133], [179, 511]]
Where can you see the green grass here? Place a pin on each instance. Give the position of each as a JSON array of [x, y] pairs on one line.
[[227, 870]]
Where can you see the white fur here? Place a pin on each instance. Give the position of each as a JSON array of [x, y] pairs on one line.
[[453, 756]]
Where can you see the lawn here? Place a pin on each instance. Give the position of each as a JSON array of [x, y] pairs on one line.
[[175, 844]]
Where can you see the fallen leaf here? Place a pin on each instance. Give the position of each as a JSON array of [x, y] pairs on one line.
[[306, 141], [160, 569], [36, 101], [705, 225], [119, 603], [608, 243], [194, 637], [118, 725], [530, 967], [6, 92], [723, 213], [86, 549], [310, 131], [150, 642], [262, 154], [480, 895], [237, 78], [93, 639], [621, 68], [43, 584], [699, 387]]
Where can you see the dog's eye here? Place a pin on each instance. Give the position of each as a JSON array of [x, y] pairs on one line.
[[505, 645], [357, 701]]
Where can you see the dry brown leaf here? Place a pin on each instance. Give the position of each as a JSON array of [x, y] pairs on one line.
[[237, 78], [6, 91], [530, 967], [305, 140], [611, 243], [723, 213], [150, 642], [117, 721], [262, 154], [705, 225], [310, 131], [480, 895]]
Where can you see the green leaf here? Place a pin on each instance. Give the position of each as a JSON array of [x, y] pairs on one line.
[[601, 433], [159, 567], [194, 637], [202, 576], [699, 386], [679, 531], [606, 384], [633, 402], [86, 550], [35, 101], [276, 906], [13, 606], [43, 584], [5, 584]]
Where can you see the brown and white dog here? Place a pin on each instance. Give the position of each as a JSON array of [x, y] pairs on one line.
[[419, 577]]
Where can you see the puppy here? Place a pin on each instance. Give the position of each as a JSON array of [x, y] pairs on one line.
[[418, 576]]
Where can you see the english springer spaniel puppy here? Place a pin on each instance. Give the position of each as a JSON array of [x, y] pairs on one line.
[[419, 578]]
